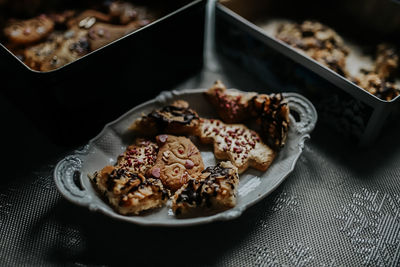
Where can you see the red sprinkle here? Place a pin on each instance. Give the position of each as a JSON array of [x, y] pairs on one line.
[[180, 150], [156, 172], [189, 164]]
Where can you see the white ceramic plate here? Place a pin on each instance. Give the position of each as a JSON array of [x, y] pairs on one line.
[[104, 149]]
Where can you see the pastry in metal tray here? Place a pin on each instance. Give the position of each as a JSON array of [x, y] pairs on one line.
[[317, 41], [128, 192], [214, 191], [24, 32]]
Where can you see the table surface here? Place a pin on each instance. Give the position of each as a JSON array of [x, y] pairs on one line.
[[339, 207]]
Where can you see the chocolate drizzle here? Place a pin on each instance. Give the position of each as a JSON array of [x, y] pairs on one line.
[[173, 114], [199, 192], [216, 171], [273, 117]]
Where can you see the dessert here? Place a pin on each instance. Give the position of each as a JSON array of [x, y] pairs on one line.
[[128, 192], [24, 32], [317, 41], [272, 116], [139, 157], [214, 191], [232, 106], [387, 61], [325, 46], [271, 112], [52, 40], [178, 160], [237, 143], [176, 118]]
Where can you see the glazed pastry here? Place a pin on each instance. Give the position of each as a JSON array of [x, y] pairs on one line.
[[25, 32], [124, 12], [387, 61], [237, 143], [178, 160], [232, 106], [129, 193], [214, 191], [101, 34], [372, 83], [317, 41], [176, 118], [58, 50], [88, 18], [272, 116], [139, 157]]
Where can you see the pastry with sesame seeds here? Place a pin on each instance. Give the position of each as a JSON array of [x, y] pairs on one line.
[[237, 143], [214, 191], [178, 160], [127, 192]]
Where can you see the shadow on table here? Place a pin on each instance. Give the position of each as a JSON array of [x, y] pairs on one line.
[[87, 238]]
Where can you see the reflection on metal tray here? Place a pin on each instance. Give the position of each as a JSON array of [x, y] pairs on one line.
[[96, 88], [352, 110]]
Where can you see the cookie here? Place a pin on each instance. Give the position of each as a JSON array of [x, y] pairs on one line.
[[129, 193], [387, 61], [176, 118], [214, 191], [178, 160], [232, 106], [25, 32], [88, 18], [125, 12], [318, 41], [372, 83], [237, 143], [272, 116], [58, 50], [101, 34], [139, 157]]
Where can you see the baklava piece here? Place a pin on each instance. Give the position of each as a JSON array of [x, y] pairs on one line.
[[237, 143], [127, 192], [214, 191], [176, 118]]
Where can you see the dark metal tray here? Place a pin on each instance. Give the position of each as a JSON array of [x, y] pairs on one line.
[[351, 110], [96, 88]]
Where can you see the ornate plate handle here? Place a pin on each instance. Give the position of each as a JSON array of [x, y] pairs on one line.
[[66, 174], [306, 111]]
